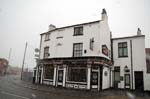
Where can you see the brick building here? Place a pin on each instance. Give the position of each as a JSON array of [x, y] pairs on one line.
[[3, 66]]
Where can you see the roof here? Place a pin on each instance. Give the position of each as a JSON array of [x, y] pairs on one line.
[[72, 26], [134, 36]]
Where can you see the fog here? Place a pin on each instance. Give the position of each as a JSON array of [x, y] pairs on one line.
[[22, 21]]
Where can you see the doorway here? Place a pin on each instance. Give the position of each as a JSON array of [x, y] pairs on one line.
[[116, 77], [94, 79], [138, 78], [60, 78], [127, 81]]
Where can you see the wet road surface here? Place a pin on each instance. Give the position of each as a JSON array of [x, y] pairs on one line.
[[11, 90]]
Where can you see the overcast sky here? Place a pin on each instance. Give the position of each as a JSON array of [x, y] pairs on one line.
[[23, 20]]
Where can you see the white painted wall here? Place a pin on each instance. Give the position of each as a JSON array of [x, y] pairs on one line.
[[106, 79], [105, 35], [122, 62], [147, 82], [99, 31], [139, 59]]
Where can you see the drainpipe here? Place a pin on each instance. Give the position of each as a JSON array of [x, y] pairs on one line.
[[131, 62], [112, 59]]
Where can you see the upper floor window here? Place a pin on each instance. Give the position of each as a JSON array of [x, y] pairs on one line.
[[78, 31], [122, 49], [46, 52], [77, 49], [47, 35]]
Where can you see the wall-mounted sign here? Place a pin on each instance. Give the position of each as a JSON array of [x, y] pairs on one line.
[[105, 73], [37, 50], [105, 50], [37, 55], [91, 43]]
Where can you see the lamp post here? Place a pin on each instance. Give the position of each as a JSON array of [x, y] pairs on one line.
[[37, 56]]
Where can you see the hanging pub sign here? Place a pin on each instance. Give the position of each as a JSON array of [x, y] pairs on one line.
[[105, 50]]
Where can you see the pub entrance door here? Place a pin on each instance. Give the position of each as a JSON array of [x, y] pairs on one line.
[[60, 76], [94, 79]]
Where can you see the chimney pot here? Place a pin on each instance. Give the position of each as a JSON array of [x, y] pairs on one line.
[[52, 27], [104, 11], [104, 15], [139, 31]]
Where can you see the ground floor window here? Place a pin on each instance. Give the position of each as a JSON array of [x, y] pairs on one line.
[[48, 71], [77, 74], [116, 76]]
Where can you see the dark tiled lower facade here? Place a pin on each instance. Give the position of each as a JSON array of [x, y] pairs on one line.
[[79, 73]]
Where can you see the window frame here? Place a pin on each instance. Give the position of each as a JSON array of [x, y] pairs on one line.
[[77, 51], [46, 54], [74, 74], [78, 31], [123, 49], [48, 71], [47, 36]]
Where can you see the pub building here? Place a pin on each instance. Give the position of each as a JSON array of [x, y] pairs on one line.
[[85, 56]]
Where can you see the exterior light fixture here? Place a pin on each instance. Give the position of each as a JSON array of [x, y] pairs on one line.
[[126, 69]]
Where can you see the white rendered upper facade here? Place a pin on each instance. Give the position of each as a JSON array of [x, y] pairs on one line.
[[60, 40]]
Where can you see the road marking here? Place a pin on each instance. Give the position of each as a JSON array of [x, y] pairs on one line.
[[3, 92], [130, 95], [33, 95]]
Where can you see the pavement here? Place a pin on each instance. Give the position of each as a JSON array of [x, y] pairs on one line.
[[50, 92]]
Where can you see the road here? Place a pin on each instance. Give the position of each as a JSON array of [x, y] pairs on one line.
[[9, 90]]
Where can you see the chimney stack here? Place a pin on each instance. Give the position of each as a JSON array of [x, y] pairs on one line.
[[52, 27], [139, 31], [104, 15]]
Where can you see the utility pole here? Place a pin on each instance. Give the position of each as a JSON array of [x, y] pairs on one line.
[[9, 55], [24, 59]]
